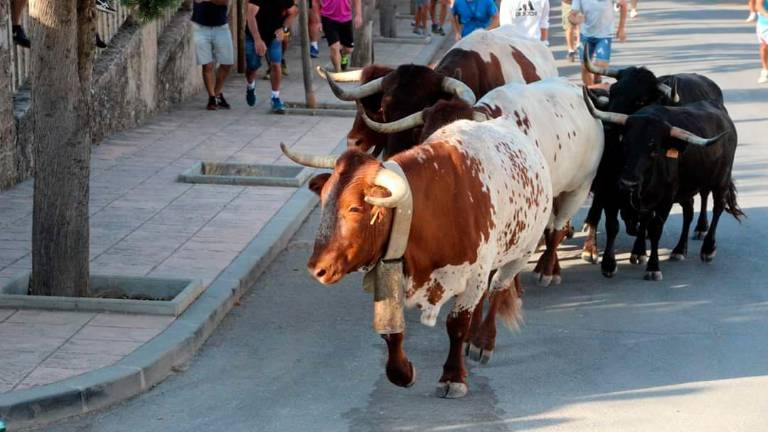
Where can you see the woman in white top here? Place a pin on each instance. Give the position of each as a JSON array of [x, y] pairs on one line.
[[530, 17]]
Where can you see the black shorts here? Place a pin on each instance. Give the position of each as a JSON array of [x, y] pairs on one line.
[[338, 32]]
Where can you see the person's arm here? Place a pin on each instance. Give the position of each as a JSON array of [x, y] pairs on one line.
[[456, 26], [494, 12], [576, 16], [358, 10], [250, 17], [290, 14], [760, 6], [544, 21], [621, 34]]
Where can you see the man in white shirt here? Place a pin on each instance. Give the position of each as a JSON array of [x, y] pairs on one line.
[[530, 17], [597, 22]]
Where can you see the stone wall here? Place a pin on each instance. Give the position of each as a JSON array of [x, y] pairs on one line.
[[140, 73]]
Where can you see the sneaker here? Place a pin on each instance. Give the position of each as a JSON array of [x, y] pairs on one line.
[[277, 106], [763, 77], [100, 42], [417, 30], [221, 102], [344, 61], [212, 105], [20, 37], [633, 13], [434, 28], [314, 52], [572, 56], [752, 17], [440, 31], [250, 95], [284, 68], [104, 6]]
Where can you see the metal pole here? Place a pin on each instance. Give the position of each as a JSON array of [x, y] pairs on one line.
[[306, 61]]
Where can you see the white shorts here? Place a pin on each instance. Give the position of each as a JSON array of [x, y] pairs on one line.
[[762, 33], [213, 44]]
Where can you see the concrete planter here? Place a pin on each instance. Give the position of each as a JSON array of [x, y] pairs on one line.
[[321, 109], [245, 174], [174, 295]]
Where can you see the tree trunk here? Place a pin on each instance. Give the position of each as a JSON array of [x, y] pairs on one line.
[[387, 20], [306, 60], [363, 53], [61, 71]]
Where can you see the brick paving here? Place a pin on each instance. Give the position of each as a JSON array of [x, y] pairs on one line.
[[144, 223]]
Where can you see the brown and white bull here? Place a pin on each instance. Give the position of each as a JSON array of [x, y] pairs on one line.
[[553, 115], [481, 195], [476, 64]]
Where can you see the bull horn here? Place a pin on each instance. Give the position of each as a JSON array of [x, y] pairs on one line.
[[350, 76], [396, 185], [669, 92], [610, 117], [458, 88], [480, 117], [356, 93], [609, 72], [314, 161], [603, 101], [689, 137], [414, 120]]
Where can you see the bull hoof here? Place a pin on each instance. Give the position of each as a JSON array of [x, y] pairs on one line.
[[677, 257], [449, 390], [402, 380], [699, 235], [708, 257], [653, 276], [589, 256], [545, 280], [557, 279], [479, 354], [609, 274], [638, 259]]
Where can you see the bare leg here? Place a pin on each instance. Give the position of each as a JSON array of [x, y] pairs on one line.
[[335, 51], [453, 382], [209, 79], [275, 75], [314, 25], [399, 370], [764, 55], [17, 9], [221, 78]]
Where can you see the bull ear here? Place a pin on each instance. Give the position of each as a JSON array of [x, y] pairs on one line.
[[317, 182], [457, 74]]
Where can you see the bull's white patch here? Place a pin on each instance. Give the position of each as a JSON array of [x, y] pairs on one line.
[[672, 153]]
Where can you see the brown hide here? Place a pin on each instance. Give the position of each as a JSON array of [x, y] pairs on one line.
[[361, 137]]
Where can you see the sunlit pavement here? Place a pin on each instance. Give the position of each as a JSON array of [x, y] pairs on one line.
[[684, 354]]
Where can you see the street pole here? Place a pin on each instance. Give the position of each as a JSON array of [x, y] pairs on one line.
[[306, 61]]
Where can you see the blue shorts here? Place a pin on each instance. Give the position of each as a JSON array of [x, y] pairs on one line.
[[598, 48], [253, 60]]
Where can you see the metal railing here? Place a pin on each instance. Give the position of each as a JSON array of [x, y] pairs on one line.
[[107, 26]]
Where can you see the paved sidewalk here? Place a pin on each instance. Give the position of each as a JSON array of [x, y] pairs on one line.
[[145, 223]]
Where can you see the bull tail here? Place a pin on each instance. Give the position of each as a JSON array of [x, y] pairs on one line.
[[730, 202], [510, 309]]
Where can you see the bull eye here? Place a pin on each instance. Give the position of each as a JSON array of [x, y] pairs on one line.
[[355, 209]]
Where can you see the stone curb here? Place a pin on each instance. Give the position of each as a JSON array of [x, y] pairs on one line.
[[169, 351]]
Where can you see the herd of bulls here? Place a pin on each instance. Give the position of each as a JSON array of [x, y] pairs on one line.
[[482, 181]]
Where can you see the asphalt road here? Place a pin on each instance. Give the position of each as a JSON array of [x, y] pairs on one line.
[[689, 353]]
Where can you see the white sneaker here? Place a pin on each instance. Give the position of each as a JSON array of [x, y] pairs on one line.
[[752, 17], [633, 13], [763, 77]]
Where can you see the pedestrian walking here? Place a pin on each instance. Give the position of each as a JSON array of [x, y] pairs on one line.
[[752, 17], [762, 35], [571, 30], [529, 17], [470, 15], [597, 23], [268, 22], [213, 44], [20, 37], [338, 18], [437, 24], [314, 28], [420, 21]]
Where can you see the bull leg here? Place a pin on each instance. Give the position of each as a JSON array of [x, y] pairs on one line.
[[608, 265], [399, 370], [709, 248], [589, 252], [702, 225], [474, 326], [638, 255], [681, 250], [542, 261], [453, 382], [655, 227], [483, 341]]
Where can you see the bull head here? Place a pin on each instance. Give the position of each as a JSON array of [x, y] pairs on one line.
[[668, 91]]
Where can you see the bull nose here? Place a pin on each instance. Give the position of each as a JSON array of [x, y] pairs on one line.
[[353, 142], [325, 274]]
